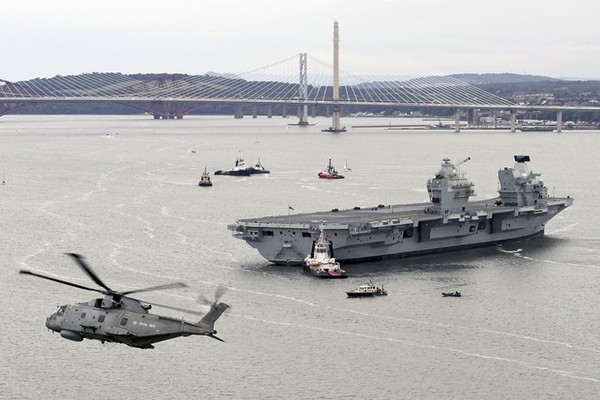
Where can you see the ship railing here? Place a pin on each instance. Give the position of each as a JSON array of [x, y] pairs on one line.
[[360, 229], [568, 201], [235, 228]]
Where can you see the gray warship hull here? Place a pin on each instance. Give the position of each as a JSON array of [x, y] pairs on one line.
[[393, 231]]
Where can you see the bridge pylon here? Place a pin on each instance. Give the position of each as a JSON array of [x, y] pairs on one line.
[[303, 91], [303, 88], [335, 115]]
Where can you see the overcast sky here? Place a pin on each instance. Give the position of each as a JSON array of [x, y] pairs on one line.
[[44, 38]]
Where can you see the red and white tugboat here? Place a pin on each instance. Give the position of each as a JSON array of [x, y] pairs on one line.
[[321, 262], [330, 172]]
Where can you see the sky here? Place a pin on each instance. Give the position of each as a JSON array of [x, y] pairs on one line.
[[377, 37]]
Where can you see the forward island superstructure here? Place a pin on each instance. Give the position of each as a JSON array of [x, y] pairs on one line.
[[448, 222]]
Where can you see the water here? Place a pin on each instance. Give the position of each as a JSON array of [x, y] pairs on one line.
[[122, 191]]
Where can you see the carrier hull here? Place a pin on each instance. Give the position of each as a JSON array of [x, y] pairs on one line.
[[361, 235], [448, 222]]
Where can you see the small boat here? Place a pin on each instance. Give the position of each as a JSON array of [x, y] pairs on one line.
[[368, 290], [330, 172], [205, 179], [321, 262], [334, 130], [455, 294], [537, 128]]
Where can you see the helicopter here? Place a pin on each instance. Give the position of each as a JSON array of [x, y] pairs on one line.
[[119, 318]]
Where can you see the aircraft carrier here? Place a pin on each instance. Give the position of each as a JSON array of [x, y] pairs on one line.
[[448, 222]]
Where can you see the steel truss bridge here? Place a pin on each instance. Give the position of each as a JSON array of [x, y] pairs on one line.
[[285, 83]]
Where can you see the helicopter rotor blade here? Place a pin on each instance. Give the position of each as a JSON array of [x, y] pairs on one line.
[[159, 287], [80, 260], [25, 272], [185, 310]]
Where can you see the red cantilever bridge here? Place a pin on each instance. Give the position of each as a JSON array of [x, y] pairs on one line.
[[281, 83]]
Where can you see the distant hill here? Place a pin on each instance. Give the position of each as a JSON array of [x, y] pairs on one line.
[[479, 79]]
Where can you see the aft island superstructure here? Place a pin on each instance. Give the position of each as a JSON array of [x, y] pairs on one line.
[[448, 222]]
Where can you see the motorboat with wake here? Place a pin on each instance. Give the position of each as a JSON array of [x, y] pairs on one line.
[[321, 262], [367, 290], [330, 172]]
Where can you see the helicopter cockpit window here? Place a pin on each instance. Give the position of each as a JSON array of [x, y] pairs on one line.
[[123, 321], [61, 310], [101, 318]]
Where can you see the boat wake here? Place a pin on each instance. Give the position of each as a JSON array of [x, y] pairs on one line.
[[519, 253], [562, 263], [501, 250], [561, 230]]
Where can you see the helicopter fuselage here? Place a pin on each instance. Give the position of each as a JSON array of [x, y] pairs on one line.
[[119, 318], [127, 321]]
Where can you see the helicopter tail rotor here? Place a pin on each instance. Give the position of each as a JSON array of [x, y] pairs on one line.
[[219, 292]]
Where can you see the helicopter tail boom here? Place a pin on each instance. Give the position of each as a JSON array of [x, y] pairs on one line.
[[214, 314]]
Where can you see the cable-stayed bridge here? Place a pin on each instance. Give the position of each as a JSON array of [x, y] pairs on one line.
[[277, 83], [300, 81]]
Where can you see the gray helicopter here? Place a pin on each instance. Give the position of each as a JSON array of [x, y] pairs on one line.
[[119, 318]]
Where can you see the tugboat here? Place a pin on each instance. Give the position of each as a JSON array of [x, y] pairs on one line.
[[259, 169], [240, 168], [330, 172], [205, 179], [321, 262], [368, 290]]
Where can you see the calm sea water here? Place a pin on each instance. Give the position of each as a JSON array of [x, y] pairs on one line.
[[122, 191]]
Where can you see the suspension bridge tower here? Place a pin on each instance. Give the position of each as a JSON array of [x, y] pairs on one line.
[[335, 115], [303, 88]]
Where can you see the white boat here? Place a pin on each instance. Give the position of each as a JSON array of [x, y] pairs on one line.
[[367, 290], [321, 262]]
